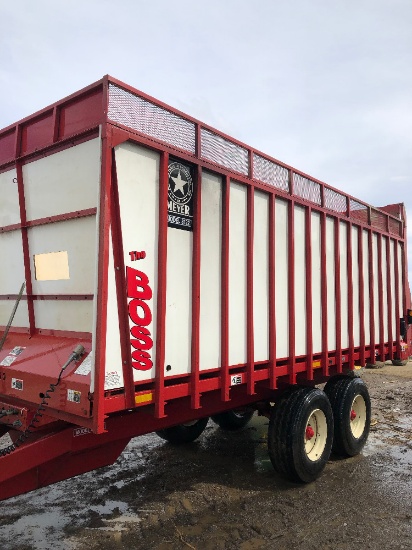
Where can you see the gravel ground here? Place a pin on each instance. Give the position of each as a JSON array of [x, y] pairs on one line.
[[221, 492]]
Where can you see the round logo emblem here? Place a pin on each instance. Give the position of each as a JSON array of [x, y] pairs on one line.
[[180, 183]]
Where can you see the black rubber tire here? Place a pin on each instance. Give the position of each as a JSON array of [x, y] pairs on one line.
[[184, 433], [287, 434], [399, 362], [232, 420], [341, 392]]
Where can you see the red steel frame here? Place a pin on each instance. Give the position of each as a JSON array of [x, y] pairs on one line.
[[82, 116]]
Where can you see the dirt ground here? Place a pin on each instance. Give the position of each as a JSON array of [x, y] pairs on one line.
[[221, 492]]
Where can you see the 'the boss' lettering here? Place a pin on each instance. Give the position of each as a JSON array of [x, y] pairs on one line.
[[140, 314]]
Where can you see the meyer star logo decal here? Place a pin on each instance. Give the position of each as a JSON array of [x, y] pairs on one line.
[[180, 183]]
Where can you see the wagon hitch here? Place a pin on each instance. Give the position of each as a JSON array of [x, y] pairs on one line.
[[76, 354]]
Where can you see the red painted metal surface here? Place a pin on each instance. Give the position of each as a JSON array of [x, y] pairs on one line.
[[272, 299], [121, 289], [224, 369], [195, 375], [249, 298], [161, 287], [291, 289], [308, 268], [162, 402]]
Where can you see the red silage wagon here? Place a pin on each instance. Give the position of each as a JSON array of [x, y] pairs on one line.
[[157, 272]]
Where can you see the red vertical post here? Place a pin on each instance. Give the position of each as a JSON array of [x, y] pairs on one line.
[[56, 121], [161, 288], [250, 160], [397, 309], [25, 246], [198, 141], [351, 358], [380, 292], [324, 295], [338, 305], [102, 284], [362, 358], [121, 289], [272, 293], [389, 261], [224, 369], [249, 292], [308, 254], [371, 297], [291, 291], [197, 223]]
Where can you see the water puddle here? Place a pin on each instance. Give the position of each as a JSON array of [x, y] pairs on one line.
[[37, 530]]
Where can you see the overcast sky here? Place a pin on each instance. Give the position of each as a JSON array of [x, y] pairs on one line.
[[324, 86]]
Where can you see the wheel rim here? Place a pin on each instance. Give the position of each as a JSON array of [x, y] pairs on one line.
[[190, 423], [315, 435], [358, 416]]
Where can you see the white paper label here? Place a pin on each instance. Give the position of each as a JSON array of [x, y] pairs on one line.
[[112, 380], [85, 368]]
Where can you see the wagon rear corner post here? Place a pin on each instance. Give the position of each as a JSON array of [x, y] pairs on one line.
[[172, 273]]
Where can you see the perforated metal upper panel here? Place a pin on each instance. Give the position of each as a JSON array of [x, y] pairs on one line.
[[306, 188], [335, 201], [224, 152], [149, 119], [269, 172], [358, 211], [145, 116]]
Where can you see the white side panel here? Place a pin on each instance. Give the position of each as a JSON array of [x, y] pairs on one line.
[[21, 319], [393, 312], [64, 182], [300, 281], [178, 302], [77, 237], [114, 371], [64, 315], [376, 276], [9, 203], [366, 302], [12, 272], [210, 272], [330, 274], [316, 284], [281, 279], [385, 288], [261, 277], [343, 257], [237, 274], [138, 183], [355, 285]]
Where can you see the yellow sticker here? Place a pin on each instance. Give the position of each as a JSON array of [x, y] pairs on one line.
[[143, 398], [316, 364]]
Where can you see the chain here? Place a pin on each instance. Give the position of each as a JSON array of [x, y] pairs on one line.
[[77, 352]]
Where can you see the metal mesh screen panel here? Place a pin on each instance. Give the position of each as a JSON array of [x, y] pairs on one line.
[[222, 151], [378, 219], [395, 227], [306, 188], [334, 201], [358, 211], [269, 172], [149, 119]]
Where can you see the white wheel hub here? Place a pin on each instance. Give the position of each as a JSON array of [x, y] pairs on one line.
[[315, 436], [358, 416]]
